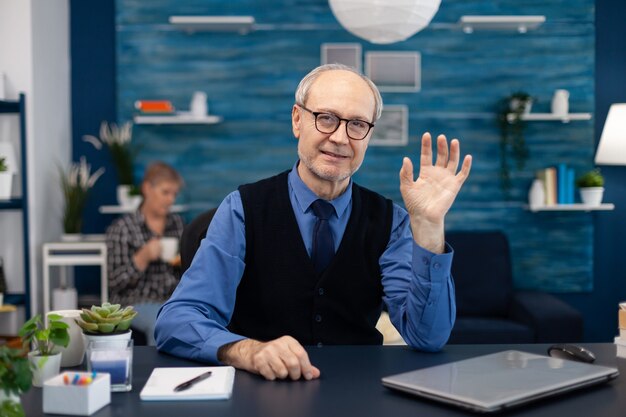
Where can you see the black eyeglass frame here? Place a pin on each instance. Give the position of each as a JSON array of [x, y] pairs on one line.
[[317, 113]]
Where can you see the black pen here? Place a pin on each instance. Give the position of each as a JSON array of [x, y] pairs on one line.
[[188, 384]]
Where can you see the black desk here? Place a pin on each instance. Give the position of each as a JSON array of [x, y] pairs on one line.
[[350, 386]]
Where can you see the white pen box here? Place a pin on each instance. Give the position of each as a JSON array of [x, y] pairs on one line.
[[76, 400]]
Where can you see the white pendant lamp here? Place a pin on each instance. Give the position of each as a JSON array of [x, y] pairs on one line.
[[384, 21]]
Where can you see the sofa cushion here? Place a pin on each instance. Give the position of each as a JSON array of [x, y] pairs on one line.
[[481, 269]]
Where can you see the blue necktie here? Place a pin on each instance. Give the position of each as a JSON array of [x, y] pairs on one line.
[[323, 244]]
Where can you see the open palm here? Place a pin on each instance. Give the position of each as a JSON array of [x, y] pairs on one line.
[[432, 194]]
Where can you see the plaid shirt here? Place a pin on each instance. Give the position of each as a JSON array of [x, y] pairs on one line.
[[127, 284]]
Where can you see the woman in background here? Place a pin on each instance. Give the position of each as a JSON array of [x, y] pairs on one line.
[[137, 274]]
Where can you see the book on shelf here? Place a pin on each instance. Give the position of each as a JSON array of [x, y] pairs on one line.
[[558, 184], [154, 106]]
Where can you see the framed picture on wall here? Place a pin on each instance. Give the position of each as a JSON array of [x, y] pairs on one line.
[[392, 129], [342, 53], [394, 71]]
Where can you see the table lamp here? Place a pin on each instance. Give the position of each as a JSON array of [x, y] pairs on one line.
[[612, 146]]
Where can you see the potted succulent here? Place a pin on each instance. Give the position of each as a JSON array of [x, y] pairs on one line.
[[512, 140], [118, 140], [108, 322], [6, 179], [44, 356], [15, 379], [591, 185], [76, 184]]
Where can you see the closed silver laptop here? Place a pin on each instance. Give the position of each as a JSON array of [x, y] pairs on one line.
[[500, 380]]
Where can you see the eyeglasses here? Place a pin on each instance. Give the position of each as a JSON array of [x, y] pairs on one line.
[[329, 123]]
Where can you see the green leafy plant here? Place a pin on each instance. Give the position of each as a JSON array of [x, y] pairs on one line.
[[45, 339], [106, 319], [3, 164], [118, 140], [512, 142], [15, 379], [76, 184], [591, 178]]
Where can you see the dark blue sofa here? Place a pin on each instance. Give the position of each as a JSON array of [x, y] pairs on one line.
[[490, 310]]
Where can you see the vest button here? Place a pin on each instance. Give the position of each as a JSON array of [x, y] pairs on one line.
[[318, 318], [320, 291], [437, 265]]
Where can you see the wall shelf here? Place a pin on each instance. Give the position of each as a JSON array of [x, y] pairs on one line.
[[551, 117], [20, 204], [241, 24], [521, 24], [572, 207], [176, 208], [179, 118]]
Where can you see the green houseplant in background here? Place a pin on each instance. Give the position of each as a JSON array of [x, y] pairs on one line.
[[75, 184], [118, 139], [15, 379], [6, 179], [591, 186], [512, 141], [44, 340]]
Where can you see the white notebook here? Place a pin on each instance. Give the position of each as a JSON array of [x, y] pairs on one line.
[[160, 386]]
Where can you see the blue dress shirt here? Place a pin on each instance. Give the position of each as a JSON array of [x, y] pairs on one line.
[[417, 284]]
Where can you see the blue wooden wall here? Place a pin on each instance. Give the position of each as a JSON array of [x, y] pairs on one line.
[[250, 80]]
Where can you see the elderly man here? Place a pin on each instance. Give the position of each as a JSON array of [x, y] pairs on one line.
[[307, 257]]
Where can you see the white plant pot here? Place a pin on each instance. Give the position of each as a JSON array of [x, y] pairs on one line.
[[74, 353], [44, 367], [592, 196], [106, 337], [6, 183], [124, 199]]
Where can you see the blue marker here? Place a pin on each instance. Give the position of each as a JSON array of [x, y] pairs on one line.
[[75, 380]]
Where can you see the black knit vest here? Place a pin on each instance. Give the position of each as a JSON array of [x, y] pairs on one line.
[[280, 292]]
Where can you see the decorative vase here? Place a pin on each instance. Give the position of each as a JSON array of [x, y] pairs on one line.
[[198, 105], [6, 183], [537, 194], [525, 105], [560, 102], [44, 367], [591, 196], [74, 353]]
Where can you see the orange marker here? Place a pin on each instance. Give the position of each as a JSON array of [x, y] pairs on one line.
[[66, 379]]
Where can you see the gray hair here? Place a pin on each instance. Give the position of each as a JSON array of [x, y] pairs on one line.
[[302, 92]]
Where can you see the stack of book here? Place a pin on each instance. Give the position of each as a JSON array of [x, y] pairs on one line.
[[558, 183], [155, 107], [620, 341]]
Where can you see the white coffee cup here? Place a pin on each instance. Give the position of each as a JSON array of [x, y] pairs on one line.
[[169, 248], [73, 354]]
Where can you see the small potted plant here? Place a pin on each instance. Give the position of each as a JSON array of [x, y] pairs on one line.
[[591, 185], [15, 379], [512, 140], [118, 140], [75, 185], [6, 179], [44, 356], [108, 322]]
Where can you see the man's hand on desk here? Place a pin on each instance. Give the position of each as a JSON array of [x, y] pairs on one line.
[[277, 359]]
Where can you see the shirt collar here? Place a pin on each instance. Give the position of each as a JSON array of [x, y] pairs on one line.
[[305, 197]]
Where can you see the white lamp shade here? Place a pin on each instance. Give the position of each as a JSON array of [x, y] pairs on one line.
[[612, 147], [384, 21]]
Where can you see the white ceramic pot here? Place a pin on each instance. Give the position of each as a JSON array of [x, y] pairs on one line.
[[6, 183], [123, 195], [74, 353], [591, 196], [106, 337], [536, 194], [560, 102], [44, 367]]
